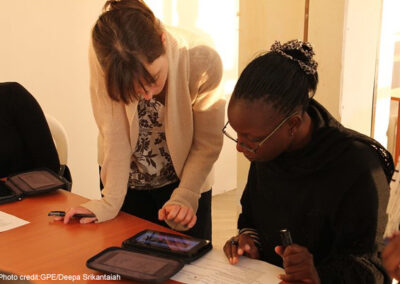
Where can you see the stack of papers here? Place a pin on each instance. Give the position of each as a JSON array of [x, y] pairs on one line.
[[214, 267]]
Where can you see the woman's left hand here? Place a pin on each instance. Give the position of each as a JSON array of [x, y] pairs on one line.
[[298, 264], [179, 214]]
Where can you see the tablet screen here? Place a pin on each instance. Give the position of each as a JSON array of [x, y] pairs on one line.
[[133, 262], [167, 241], [134, 265]]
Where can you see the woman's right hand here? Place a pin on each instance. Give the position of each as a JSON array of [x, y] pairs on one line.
[[77, 210], [239, 245]]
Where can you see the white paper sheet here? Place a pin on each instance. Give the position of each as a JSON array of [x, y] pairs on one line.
[[8, 222], [215, 268]]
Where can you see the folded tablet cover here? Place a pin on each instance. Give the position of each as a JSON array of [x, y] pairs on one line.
[[39, 180], [134, 265], [30, 183]]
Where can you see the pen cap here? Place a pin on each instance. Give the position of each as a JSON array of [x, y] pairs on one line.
[[286, 238]]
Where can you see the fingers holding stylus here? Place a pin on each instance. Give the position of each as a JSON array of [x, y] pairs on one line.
[[239, 245], [85, 216]]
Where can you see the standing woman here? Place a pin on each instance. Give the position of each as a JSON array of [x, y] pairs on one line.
[[155, 101], [326, 184]]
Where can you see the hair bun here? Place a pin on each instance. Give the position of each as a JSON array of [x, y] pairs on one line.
[[298, 51]]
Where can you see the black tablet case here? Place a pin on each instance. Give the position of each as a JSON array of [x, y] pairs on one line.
[[137, 266], [145, 265], [128, 244], [31, 183]]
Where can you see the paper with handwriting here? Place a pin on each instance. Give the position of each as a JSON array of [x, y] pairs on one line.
[[215, 268]]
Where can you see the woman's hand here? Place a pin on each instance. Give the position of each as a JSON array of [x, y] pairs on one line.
[[179, 214], [77, 210], [298, 264], [391, 256], [239, 245]]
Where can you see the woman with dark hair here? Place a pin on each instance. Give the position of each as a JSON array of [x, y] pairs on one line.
[[155, 101], [326, 184], [26, 142]]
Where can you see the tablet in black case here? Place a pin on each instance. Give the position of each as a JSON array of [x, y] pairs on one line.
[[134, 265], [31, 183], [183, 248], [150, 256]]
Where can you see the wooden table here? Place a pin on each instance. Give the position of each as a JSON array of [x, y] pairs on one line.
[[45, 246]]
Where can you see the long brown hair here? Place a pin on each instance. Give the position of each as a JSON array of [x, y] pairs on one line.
[[126, 34]]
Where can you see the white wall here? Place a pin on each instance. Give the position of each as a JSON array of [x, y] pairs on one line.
[[390, 26], [325, 32], [345, 34], [44, 47], [360, 47]]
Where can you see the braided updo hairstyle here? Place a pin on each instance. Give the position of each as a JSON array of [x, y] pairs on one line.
[[286, 77]]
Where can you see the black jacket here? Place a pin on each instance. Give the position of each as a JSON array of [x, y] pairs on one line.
[[331, 195]]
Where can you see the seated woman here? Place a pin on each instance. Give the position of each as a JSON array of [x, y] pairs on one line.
[[326, 184], [26, 142]]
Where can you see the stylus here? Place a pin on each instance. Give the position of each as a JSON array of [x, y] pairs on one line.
[[286, 238], [76, 215]]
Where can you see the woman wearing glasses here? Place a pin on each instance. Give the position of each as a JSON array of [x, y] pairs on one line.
[[156, 102], [326, 184]]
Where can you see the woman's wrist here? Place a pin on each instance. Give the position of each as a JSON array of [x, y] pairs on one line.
[[253, 234]]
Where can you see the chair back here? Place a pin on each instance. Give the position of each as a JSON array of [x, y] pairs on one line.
[[60, 138]]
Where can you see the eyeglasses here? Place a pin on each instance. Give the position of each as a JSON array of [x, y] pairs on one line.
[[254, 150]]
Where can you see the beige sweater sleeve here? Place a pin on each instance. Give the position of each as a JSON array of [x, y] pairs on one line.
[[208, 119], [112, 122]]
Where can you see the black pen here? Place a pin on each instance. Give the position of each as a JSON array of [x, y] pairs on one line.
[[286, 238], [76, 215]]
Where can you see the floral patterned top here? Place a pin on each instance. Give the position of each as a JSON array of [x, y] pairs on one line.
[[151, 165]]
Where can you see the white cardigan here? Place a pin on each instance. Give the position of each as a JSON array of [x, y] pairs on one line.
[[194, 119]]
